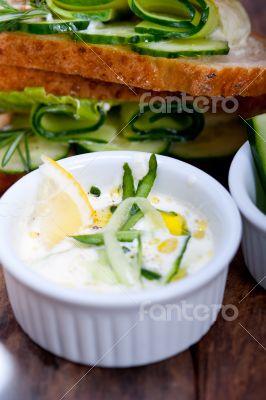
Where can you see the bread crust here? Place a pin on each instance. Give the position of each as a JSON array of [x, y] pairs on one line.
[[240, 73], [16, 78]]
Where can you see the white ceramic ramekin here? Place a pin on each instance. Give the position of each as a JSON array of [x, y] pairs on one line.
[[122, 330], [243, 186]]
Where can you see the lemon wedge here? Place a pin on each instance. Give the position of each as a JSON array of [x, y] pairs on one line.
[[62, 207]]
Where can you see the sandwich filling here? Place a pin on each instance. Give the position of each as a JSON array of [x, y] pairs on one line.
[[35, 123], [170, 29]]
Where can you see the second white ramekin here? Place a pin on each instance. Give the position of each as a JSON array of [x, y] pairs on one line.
[[122, 330], [243, 186]]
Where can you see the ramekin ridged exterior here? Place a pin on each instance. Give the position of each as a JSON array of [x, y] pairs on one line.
[[123, 330], [242, 182], [110, 338]]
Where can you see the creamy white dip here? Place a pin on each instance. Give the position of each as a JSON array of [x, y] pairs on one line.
[[68, 263]]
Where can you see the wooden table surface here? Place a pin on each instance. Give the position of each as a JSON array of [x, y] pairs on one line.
[[228, 363]]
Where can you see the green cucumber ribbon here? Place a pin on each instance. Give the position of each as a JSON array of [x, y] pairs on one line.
[[170, 19], [58, 118], [97, 10], [67, 118], [64, 122], [72, 120], [123, 269], [176, 18], [169, 122]]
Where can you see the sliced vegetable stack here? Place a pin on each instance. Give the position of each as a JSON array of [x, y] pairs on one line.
[[39, 123], [170, 29]]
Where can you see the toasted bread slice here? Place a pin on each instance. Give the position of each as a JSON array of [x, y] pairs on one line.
[[16, 79], [242, 72]]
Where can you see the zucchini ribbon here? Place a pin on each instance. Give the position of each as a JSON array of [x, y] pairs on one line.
[[169, 122], [176, 18], [97, 10], [85, 123], [10, 16], [61, 121]]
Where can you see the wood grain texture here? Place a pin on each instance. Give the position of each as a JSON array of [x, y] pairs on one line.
[[230, 363], [226, 364]]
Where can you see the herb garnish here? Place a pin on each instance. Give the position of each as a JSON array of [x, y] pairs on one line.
[[95, 191], [13, 140]]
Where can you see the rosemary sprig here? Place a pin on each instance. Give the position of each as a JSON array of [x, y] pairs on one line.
[[5, 141], [12, 141], [10, 16], [11, 150], [5, 5], [27, 150]]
